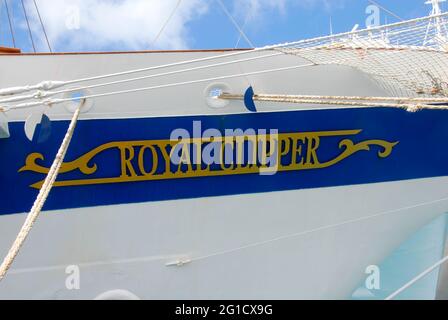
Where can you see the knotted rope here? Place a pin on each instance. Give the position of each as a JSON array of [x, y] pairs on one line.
[[407, 103], [41, 198]]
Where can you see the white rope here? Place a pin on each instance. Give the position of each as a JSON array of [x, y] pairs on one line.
[[41, 198], [420, 276], [45, 94], [386, 10], [51, 102], [232, 20], [54, 84], [45, 85], [165, 24], [408, 103], [246, 20]]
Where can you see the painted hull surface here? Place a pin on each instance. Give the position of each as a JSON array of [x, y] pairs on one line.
[[346, 187]]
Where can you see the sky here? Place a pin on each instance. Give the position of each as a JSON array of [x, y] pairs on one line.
[[121, 25]]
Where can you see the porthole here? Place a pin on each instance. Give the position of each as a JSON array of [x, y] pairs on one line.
[[212, 93], [76, 98], [117, 295]]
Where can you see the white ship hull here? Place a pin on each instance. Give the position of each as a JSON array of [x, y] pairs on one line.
[[311, 242]]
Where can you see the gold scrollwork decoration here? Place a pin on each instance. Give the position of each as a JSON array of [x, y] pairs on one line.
[[132, 153]]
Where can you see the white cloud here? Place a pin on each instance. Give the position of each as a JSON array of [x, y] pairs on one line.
[[117, 24], [327, 5], [90, 25], [258, 9]]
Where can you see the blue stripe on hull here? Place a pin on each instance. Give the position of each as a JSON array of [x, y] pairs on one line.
[[422, 152]]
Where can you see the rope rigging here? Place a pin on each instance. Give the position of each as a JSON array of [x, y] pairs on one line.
[[45, 94], [30, 33], [432, 81], [246, 20], [153, 42], [409, 104], [1, 26], [48, 85], [11, 28], [42, 25], [10, 18], [237, 26], [386, 10], [51, 102]]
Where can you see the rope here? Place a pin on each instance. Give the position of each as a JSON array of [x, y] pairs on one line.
[[401, 102], [43, 26], [386, 10], [28, 24], [241, 34], [361, 98], [166, 23], [261, 243], [1, 25], [417, 278], [246, 20], [45, 94], [51, 102], [10, 23], [240, 30], [41, 198], [55, 84], [45, 85]]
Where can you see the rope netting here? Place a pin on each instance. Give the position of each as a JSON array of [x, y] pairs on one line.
[[406, 59]]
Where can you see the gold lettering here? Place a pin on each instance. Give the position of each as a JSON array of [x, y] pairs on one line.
[[297, 151], [141, 160], [126, 164], [259, 155], [285, 145], [166, 157], [313, 145]]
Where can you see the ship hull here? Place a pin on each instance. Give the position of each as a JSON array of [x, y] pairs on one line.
[[348, 186], [309, 244]]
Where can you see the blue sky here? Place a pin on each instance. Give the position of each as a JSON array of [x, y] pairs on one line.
[[98, 25]]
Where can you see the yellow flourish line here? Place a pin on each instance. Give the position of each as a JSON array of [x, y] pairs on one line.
[[82, 163]]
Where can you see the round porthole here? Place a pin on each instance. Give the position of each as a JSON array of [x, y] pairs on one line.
[[213, 91], [76, 98], [117, 295]]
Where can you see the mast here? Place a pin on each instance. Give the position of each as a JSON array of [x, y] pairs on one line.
[[435, 6], [437, 22]]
